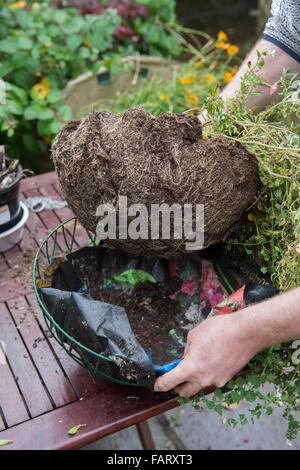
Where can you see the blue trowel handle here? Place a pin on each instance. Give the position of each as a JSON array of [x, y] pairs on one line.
[[161, 370]]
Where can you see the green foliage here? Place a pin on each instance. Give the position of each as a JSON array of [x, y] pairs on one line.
[[42, 48]]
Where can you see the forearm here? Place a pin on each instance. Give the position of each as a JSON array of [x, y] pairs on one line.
[[270, 72], [274, 321]]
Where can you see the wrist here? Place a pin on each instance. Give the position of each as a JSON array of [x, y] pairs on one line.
[[249, 331]]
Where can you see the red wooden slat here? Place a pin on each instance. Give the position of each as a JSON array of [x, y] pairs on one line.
[[103, 414], [78, 376], [49, 219], [57, 384], [11, 401], [35, 182], [13, 285], [82, 238], [37, 231], [28, 379]]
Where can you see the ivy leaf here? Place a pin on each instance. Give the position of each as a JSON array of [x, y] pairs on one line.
[[219, 394], [219, 409], [74, 430]]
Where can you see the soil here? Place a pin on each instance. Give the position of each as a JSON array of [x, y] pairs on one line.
[[153, 160], [150, 311]]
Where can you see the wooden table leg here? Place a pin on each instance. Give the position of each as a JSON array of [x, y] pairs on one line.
[[145, 435]]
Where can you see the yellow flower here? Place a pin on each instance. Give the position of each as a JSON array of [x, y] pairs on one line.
[[228, 76], [222, 45], [164, 97], [232, 50], [87, 43], [48, 43], [42, 89], [222, 36], [210, 78], [234, 70], [186, 81], [18, 5], [35, 6]]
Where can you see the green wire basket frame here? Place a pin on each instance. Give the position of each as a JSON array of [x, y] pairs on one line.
[[74, 349]]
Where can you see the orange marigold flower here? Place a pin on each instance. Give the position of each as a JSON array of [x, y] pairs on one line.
[[186, 81], [232, 50], [210, 78], [222, 45], [164, 97], [228, 76], [222, 36], [234, 70], [193, 98]]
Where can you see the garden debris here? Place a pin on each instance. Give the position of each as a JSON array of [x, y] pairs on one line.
[[153, 160], [8, 170], [38, 204], [74, 430]]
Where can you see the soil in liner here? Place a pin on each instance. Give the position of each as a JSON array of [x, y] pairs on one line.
[[150, 311], [153, 160]]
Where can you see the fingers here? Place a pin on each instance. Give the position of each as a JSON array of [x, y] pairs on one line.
[[187, 390], [173, 378]]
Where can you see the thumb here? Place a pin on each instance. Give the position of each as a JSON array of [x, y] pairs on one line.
[[173, 378]]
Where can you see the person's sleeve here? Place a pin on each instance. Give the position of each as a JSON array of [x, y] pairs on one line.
[[283, 27]]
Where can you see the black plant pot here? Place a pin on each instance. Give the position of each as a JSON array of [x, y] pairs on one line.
[[10, 209]]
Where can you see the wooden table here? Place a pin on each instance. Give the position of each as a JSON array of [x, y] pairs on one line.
[[43, 392]]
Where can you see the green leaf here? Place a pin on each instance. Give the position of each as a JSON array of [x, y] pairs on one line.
[[53, 96], [210, 404], [9, 45], [74, 430], [254, 380], [56, 126], [45, 127], [30, 113], [4, 442], [6, 68], [30, 143], [25, 43], [219, 409], [13, 107], [133, 276], [45, 113], [74, 41], [219, 394], [64, 111]]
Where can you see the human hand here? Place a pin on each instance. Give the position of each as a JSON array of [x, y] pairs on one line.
[[216, 349]]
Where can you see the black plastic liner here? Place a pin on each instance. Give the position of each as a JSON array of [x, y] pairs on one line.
[[212, 283]]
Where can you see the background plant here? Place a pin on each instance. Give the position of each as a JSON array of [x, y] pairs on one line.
[[42, 47]]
